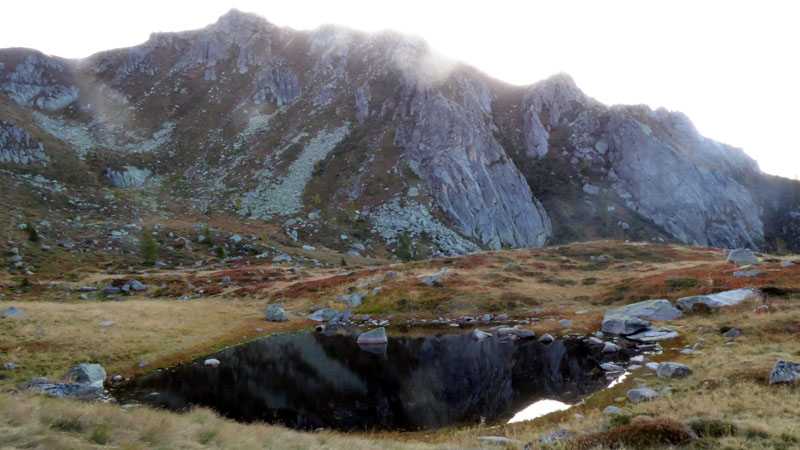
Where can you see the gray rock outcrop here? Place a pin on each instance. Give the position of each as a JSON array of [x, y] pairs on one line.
[[274, 313], [127, 176], [785, 372]]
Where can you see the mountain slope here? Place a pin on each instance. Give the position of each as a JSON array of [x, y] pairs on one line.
[[334, 132]]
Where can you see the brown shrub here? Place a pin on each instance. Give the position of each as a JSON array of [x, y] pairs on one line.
[[640, 435]]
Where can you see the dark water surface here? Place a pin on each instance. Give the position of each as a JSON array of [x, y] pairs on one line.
[[309, 380]]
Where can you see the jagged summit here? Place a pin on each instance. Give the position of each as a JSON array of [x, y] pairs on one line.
[[334, 132]]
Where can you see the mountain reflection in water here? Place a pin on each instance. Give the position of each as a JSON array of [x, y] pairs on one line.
[[309, 380]]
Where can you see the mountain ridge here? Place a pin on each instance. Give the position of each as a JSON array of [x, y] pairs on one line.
[[332, 130]]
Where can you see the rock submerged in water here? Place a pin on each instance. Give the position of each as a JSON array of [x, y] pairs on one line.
[[374, 337], [274, 313], [742, 256], [785, 372]]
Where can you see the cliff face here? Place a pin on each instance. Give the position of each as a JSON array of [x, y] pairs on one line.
[[332, 129]]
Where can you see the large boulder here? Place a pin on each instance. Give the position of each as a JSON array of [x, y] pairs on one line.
[[91, 374], [785, 372], [641, 395], [742, 256], [374, 337], [719, 299], [673, 370], [620, 324], [274, 313], [650, 309], [631, 318]]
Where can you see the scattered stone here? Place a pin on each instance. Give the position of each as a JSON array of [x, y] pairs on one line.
[[784, 372], [309, 248], [732, 333], [274, 313], [117, 378], [110, 290], [742, 256], [283, 257], [611, 348], [107, 323], [479, 335], [323, 315], [720, 299], [12, 312], [763, 309], [374, 337], [788, 263], [10, 366], [546, 338], [673, 370], [641, 395], [137, 285], [654, 334], [501, 318], [565, 323], [611, 367], [212, 362], [747, 273], [612, 410]]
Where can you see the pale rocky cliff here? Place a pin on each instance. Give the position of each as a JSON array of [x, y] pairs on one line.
[[330, 130]]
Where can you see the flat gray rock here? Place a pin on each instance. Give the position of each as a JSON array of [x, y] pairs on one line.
[[720, 299], [374, 337], [612, 410], [742, 256], [654, 334], [732, 333], [650, 310], [641, 395], [747, 273]]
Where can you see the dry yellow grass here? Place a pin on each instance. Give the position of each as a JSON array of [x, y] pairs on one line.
[[549, 284]]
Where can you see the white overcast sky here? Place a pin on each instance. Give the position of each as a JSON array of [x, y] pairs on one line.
[[733, 67]]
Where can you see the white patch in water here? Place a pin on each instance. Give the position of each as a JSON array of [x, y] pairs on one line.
[[539, 409]]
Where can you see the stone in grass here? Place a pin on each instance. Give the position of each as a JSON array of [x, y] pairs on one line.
[[374, 337], [732, 333], [742, 256], [612, 410], [641, 395], [785, 372], [673, 370], [13, 312], [91, 374], [274, 313]]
